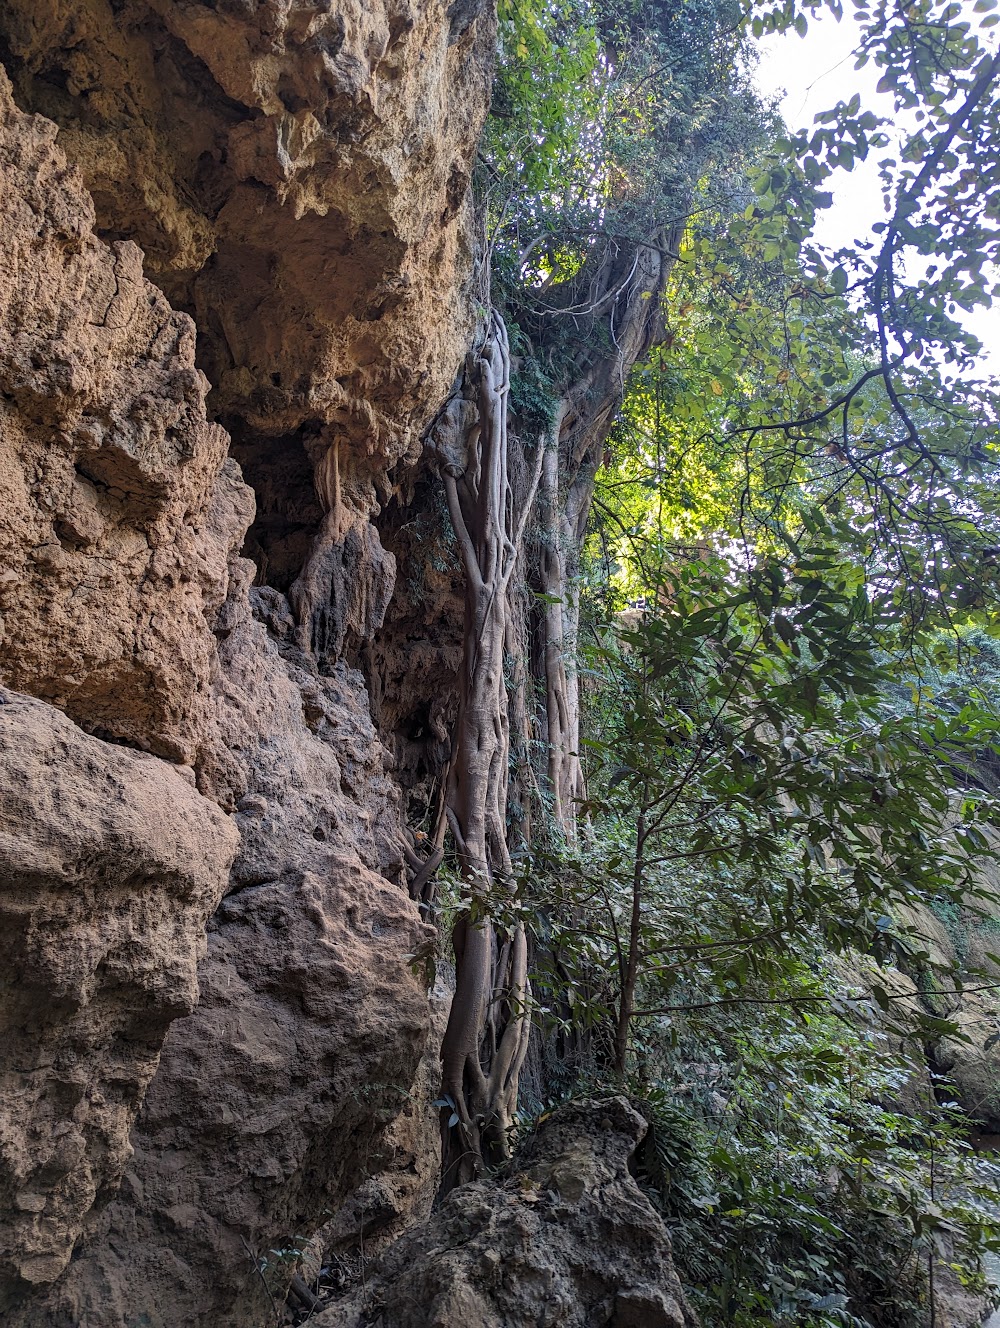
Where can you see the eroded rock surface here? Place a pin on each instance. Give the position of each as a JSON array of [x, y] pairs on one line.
[[117, 512], [272, 1096], [127, 608], [111, 864], [296, 174], [568, 1240]]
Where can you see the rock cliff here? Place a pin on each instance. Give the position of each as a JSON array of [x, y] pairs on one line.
[[236, 285], [103, 909], [239, 277]]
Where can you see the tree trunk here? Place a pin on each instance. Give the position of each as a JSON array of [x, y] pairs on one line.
[[630, 967], [560, 623], [488, 1029]]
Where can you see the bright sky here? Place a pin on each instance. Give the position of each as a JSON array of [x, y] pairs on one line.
[[814, 73]]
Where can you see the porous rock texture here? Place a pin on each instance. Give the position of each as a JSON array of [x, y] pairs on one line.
[[271, 1097], [102, 924], [115, 524], [568, 1240], [296, 175]]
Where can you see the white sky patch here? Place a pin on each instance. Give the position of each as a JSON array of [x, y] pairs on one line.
[[813, 73]]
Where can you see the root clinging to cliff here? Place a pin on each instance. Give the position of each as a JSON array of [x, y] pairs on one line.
[[487, 1035]]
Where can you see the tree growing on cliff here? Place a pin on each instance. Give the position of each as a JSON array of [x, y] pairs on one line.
[[604, 193], [650, 161]]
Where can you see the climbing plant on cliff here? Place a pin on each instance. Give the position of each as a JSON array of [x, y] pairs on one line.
[[487, 1034], [584, 223]]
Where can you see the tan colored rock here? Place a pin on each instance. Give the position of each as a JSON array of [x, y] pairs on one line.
[[297, 173], [965, 1066], [272, 1098], [402, 1192], [297, 176], [115, 522], [567, 1240], [125, 607], [111, 864]]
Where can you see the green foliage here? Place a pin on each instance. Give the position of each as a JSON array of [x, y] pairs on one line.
[[546, 103], [759, 800], [794, 1194], [754, 795], [764, 408], [532, 391], [790, 595], [606, 115]]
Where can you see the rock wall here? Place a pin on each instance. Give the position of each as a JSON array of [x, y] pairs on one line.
[[102, 920], [234, 235], [271, 1097], [237, 285], [117, 522], [296, 174]]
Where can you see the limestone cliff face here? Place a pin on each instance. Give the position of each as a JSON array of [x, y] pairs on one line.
[[235, 288], [296, 174], [118, 521]]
